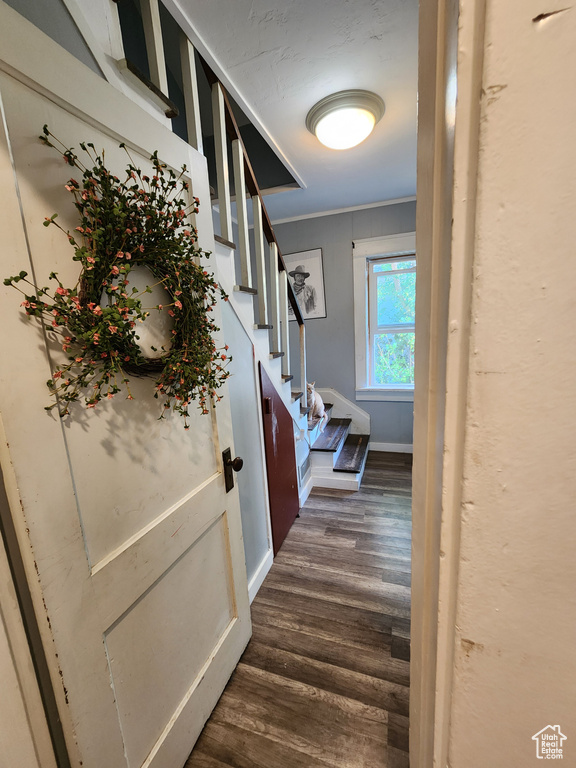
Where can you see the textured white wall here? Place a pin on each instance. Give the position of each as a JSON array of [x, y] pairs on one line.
[[515, 659]]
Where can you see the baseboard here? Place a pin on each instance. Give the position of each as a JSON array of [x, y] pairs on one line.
[[261, 572], [391, 447]]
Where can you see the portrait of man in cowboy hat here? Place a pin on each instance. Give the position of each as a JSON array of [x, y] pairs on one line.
[[306, 276], [305, 294]]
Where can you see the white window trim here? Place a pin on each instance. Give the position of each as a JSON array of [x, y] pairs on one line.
[[362, 251]]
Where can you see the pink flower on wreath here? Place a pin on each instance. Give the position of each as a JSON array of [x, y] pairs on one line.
[[127, 256], [90, 259], [79, 359], [120, 255], [57, 375], [113, 328], [90, 405], [178, 304], [115, 270], [97, 310], [177, 293], [96, 338], [25, 304], [171, 313], [62, 291]]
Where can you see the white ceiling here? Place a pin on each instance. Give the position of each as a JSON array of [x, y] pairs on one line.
[[282, 56]]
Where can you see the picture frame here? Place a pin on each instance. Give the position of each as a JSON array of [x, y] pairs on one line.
[[306, 274]]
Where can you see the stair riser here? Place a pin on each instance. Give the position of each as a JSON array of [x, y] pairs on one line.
[[323, 478], [332, 455]]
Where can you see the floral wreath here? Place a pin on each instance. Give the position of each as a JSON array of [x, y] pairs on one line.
[[140, 221]]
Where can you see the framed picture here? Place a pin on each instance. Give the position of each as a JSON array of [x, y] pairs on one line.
[[306, 275]]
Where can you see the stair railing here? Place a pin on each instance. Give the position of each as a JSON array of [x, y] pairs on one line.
[[274, 300]]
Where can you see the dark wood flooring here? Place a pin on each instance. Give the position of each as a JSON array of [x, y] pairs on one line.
[[324, 680]]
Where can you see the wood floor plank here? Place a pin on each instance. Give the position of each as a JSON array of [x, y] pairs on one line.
[[324, 681], [326, 610], [345, 682], [377, 663], [349, 634]]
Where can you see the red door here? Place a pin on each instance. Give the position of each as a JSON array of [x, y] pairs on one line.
[[280, 461]]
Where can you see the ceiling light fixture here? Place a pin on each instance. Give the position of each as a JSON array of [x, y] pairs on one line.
[[344, 119]]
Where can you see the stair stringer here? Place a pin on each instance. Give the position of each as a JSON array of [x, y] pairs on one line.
[[243, 306], [346, 409]]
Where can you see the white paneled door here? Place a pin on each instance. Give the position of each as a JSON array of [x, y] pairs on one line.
[[133, 548]]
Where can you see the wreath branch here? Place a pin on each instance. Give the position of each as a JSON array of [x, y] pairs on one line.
[[138, 221]]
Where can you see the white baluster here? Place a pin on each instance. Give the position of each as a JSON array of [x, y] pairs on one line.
[[303, 381], [154, 44], [242, 214], [221, 149], [190, 88], [274, 296], [285, 337], [260, 261]]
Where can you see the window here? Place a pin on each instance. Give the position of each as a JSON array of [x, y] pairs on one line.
[[384, 316], [391, 295]]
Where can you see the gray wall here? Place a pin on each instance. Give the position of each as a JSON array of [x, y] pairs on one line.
[[53, 18], [330, 340]]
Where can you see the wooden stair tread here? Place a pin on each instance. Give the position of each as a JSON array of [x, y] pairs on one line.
[[312, 423], [304, 410], [286, 377], [223, 241], [296, 395], [331, 439], [353, 454], [274, 355], [262, 327], [245, 289]]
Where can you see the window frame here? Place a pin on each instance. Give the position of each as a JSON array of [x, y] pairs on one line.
[[364, 252], [374, 329]]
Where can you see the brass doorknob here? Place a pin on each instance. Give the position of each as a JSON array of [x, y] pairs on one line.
[[236, 463]]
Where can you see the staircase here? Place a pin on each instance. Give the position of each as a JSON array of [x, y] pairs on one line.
[[254, 276], [338, 456]]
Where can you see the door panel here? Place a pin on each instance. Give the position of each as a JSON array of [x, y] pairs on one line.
[[280, 461], [135, 550], [152, 683]]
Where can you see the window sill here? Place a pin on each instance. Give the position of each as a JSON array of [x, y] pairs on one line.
[[386, 395]]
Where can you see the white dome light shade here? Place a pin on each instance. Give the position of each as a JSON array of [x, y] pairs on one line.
[[345, 128], [344, 119]]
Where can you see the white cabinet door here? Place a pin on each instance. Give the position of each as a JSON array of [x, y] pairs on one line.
[[134, 549]]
